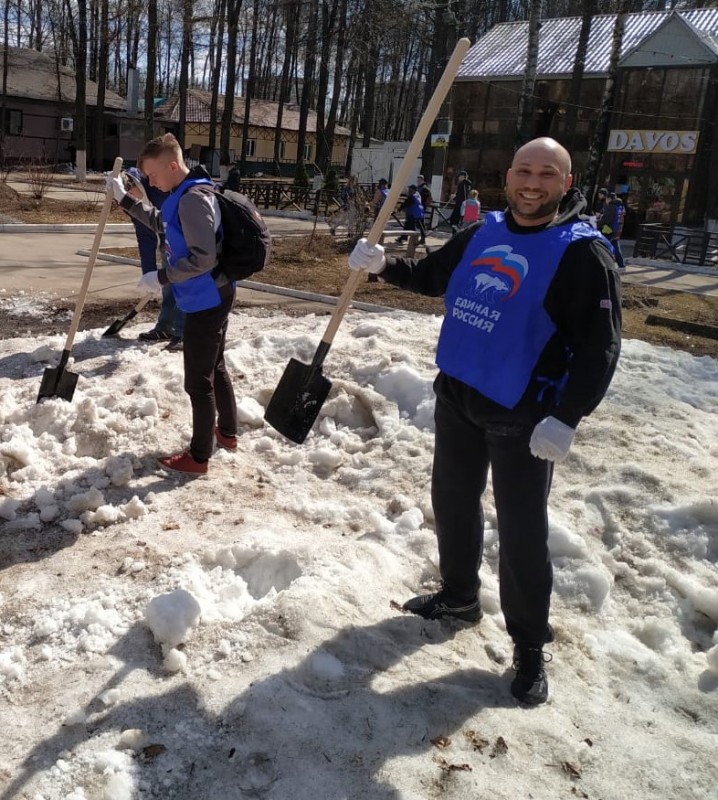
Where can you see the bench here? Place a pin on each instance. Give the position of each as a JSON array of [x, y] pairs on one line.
[[413, 237]]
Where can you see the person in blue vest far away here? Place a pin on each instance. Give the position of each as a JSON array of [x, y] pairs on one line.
[[170, 322], [192, 219], [528, 347]]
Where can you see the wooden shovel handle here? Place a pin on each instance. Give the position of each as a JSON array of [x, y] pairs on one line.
[[79, 305], [399, 180]]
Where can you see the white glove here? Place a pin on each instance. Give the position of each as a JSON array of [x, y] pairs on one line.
[[551, 439], [115, 186], [149, 283], [367, 257]]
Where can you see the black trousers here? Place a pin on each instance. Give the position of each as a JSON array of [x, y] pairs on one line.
[[205, 376], [464, 450]]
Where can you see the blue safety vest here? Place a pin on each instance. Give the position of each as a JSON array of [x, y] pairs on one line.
[[496, 325], [200, 292]]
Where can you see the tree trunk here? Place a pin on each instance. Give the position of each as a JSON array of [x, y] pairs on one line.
[[216, 76], [78, 35], [104, 55], [184, 69], [337, 81], [251, 82], [310, 60], [329, 16], [598, 143], [292, 14], [525, 112], [3, 101], [233, 9], [151, 69], [574, 94]]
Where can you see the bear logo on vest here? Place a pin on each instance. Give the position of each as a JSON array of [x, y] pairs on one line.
[[507, 271]]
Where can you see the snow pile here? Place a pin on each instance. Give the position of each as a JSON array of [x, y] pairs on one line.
[[234, 635]]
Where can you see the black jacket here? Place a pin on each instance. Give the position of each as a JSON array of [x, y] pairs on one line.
[[583, 301]]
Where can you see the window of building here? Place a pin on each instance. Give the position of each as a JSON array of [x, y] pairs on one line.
[[281, 151], [307, 152], [250, 147], [13, 122]]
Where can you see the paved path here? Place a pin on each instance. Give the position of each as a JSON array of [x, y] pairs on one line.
[[48, 262]]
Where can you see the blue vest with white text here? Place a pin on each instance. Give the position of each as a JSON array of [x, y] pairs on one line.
[[200, 292], [496, 325]]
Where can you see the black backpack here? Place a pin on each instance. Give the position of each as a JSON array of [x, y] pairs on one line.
[[246, 241]]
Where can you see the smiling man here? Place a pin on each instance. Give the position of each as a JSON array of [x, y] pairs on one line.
[[528, 348]]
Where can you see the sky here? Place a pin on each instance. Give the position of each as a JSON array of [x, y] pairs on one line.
[[237, 635]]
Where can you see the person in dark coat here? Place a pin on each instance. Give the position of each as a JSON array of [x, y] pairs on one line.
[[463, 187], [169, 327], [612, 226], [527, 349]]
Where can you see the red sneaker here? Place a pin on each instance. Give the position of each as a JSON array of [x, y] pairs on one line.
[[184, 462], [225, 442]]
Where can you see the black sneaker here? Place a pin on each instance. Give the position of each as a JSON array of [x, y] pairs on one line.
[[530, 685], [438, 606], [155, 335], [175, 345]]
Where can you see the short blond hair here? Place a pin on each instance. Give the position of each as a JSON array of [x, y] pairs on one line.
[[159, 146], [474, 193]]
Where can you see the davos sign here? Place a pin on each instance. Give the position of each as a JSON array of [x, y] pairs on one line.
[[680, 142]]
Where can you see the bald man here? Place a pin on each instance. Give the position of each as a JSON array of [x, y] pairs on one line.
[[528, 347]]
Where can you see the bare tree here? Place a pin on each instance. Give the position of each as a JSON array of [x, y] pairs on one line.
[[3, 100], [103, 55], [78, 34], [184, 68], [151, 69], [574, 95], [525, 112], [233, 9], [251, 83], [598, 143]]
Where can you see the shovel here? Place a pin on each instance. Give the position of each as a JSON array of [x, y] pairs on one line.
[[59, 382], [302, 389], [119, 324]]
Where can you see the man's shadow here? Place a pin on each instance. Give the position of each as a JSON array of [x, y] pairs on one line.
[[323, 728]]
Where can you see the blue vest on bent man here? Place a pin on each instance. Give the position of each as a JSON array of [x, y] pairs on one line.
[[200, 292], [496, 325]]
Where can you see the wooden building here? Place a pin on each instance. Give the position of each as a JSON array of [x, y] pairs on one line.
[[40, 113], [259, 147]]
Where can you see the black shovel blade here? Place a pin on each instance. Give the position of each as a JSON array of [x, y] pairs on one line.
[[297, 400], [57, 382], [119, 324]]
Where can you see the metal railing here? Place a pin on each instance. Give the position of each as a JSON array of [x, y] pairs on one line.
[[676, 244]]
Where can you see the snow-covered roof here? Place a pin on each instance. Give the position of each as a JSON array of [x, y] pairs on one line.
[[501, 53], [262, 113]]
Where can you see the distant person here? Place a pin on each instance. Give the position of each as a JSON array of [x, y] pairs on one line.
[[527, 349], [426, 199], [612, 226], [463, 187], [233, 180], [192, 219], [470, 209], [169, 327], [413, 214], [380, 195], [600, 203]]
